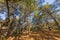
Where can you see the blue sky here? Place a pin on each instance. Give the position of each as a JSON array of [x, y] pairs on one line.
[[3, 16], [49, 1]]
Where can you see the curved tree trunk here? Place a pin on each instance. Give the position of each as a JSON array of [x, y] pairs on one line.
[[50, 13]]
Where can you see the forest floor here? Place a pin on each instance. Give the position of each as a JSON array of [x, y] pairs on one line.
[[47, 35]]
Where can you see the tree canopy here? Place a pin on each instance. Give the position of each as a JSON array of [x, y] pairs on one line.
[[29, 15]]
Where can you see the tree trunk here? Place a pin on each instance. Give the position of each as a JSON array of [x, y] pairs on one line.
[[53, 18]]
